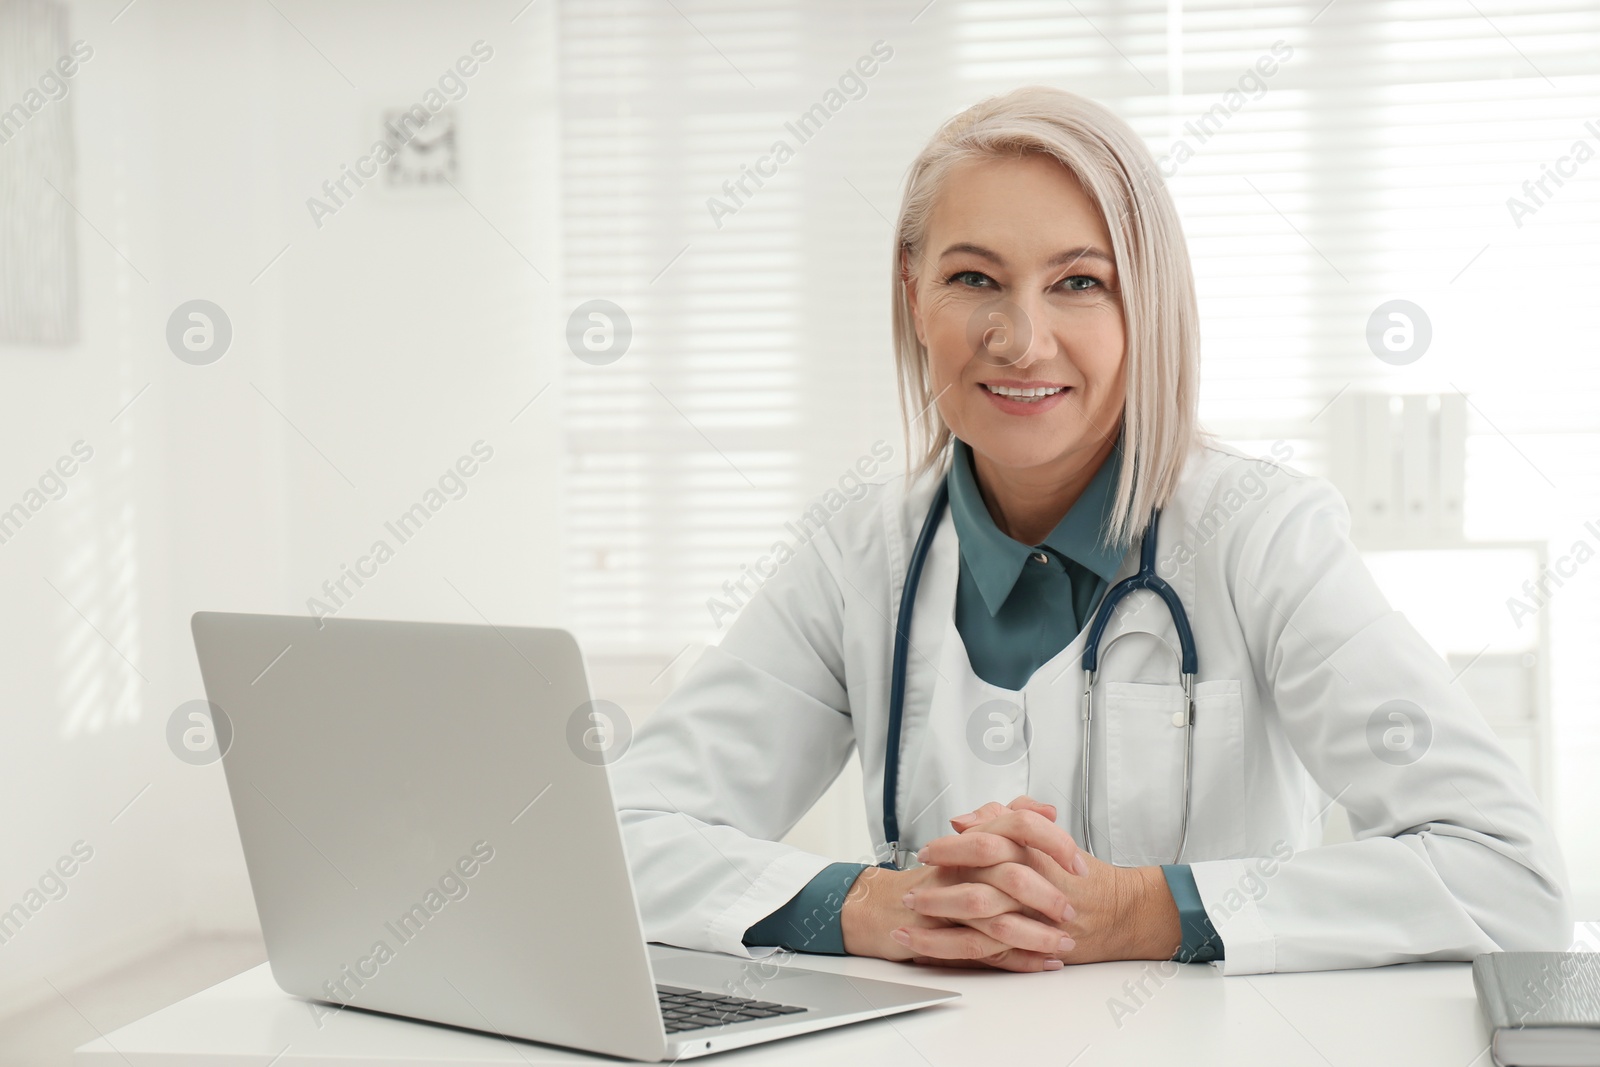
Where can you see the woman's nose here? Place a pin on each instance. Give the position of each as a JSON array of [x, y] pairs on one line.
[[1008, 334], [1032, 340]]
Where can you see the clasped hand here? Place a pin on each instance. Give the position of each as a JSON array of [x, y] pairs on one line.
[[1010, 889]]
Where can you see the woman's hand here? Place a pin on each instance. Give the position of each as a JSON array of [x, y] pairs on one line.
[[1009, 911], [1112, 913]]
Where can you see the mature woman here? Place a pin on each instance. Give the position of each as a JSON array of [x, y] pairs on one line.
[[1160, 804]]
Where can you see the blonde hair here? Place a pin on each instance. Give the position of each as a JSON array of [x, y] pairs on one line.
[[1161, 318]]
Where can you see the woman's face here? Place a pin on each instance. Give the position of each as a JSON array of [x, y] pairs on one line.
[[1017, 300]]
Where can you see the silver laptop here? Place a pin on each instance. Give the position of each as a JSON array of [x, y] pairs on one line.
[[423, 839]]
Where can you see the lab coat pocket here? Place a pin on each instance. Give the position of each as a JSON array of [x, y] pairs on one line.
[[1144, 759], [1144, 772]]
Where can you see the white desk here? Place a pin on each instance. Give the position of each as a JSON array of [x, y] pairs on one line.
[[1413, 1014]]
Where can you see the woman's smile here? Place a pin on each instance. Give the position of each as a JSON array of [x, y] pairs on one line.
[[1014, 397]]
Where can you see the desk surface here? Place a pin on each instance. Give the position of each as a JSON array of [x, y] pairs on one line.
[[1412, 1014]]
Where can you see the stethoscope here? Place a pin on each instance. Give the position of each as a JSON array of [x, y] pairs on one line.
[[1146, 579]]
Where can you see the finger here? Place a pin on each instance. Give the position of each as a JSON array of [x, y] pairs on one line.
[[981, 848], [987, 811], [1028, 887], [994, 807], [1022, 803], [1034, 830], [1018, 878], [948, 942], [977, 848], [1047, 866], [978, 900], [1027, 803], [1014, 960], [1019, 931]]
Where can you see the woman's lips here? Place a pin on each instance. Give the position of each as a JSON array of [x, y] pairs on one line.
[[1037, 406]]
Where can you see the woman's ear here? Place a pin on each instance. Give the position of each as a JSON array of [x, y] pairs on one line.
[[909, 281]]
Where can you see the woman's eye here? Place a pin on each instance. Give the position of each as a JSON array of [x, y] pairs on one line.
[[974, 279]]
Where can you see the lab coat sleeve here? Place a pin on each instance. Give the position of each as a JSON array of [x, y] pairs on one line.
[[1452, 855], [725, 767]]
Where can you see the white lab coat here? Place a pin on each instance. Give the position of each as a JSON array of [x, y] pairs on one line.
[[1299, 658]]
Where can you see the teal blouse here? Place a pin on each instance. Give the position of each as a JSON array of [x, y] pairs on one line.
[[1009, 597]]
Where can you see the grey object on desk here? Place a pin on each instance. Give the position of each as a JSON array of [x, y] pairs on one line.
[[427, 837], [1544, 1007]]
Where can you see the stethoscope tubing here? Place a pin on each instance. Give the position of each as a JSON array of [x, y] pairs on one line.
[[1144, 579], [897, 677]]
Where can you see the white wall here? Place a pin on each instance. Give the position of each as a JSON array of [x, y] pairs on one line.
[[392, 338]]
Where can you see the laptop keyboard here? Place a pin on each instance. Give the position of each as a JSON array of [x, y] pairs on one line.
[[694, 1009]]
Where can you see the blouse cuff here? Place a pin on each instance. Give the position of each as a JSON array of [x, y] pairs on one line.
[[810, 921], [1201, 943]]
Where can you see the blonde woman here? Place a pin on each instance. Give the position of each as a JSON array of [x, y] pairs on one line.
[[1084, 770]]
